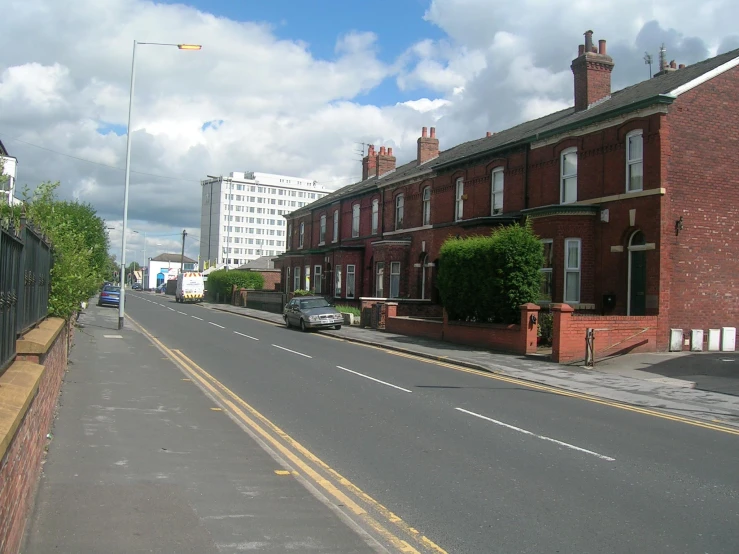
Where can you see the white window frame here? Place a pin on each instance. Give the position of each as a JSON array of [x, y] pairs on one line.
[[301, 238], [563, 176], [287, 277], [496, 193], [573, 270], [427, 206], [375, 216], [337, 281], [307, 277], [355, 220], [351, 276], [634, 162], [335, 238], [322, 230], [296, 278], [399, 209], [458, 200], [394, 279], [379, 279], [289, 235], [548, 270], [317, 272]]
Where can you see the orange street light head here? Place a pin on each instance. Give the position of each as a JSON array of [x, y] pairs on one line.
[[189, 46]]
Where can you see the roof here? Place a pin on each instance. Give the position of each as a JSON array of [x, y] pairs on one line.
[[662, 89], [263, 262], [3, 151], [173, 258]]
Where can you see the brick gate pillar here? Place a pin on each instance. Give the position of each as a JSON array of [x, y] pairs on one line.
[[562, 315], [529, 329]]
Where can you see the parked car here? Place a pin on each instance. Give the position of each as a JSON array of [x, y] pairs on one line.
[[162, 287], [312, 312], [110, 296], [136, 286]]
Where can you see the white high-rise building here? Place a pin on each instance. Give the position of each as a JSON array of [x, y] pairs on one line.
[[241, 215]]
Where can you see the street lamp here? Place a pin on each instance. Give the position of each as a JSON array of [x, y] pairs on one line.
[[122, 303]]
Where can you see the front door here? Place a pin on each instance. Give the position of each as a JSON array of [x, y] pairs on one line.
[[637, 275]]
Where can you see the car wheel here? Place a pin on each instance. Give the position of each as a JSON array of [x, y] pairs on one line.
[[287, 322], [302, 326], [337, 327]]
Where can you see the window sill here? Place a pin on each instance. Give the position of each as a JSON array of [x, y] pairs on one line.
[[322, 243]]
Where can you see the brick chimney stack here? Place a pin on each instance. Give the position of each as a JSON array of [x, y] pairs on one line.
[[592, 70], [385, 161], [369, 163], [428, 147]]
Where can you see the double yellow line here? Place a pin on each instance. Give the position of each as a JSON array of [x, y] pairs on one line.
[[554, 390], [365, 509]]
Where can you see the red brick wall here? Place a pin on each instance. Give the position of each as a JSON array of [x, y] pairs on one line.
[[505, 338], [702, 180], [21, 466], [272, 280], [614, 335], [415, 327]]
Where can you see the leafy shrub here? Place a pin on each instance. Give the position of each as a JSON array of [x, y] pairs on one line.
[[302, 292], [348, 310], [221, 282], [546, 322], [487, 278]]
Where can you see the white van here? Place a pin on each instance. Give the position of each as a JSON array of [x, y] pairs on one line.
[[190, 287]]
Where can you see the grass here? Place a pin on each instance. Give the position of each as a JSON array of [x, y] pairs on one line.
[[348, 310]]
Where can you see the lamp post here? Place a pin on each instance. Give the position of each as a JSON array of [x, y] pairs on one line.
[[122, 303]]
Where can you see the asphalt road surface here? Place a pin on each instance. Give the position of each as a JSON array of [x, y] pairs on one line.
[[475, 463]]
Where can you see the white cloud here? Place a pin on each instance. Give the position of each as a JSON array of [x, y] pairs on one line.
[[272, 105]]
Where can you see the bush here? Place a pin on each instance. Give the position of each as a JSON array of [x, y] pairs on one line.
[[487, 278], [221, 282], [348, 310], [302, 292], [546, 323]]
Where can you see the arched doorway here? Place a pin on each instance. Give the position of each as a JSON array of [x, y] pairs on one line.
[[637, 297]]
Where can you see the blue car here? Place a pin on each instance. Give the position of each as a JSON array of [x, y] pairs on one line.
[[110, 296]]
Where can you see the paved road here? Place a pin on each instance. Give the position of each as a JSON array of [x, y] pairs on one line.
[[475, 463]]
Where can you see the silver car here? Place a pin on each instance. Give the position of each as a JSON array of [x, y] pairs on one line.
[[312, 312]]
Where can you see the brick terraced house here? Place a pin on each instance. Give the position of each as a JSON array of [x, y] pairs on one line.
[[634, 193]]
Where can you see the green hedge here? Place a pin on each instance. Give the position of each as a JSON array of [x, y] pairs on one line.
[[302, 292], [487, 278], [221, 282]]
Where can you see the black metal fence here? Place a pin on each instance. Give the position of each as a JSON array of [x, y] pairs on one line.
[[25, 274]]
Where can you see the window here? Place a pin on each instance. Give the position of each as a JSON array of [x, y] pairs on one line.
[[350, 281], [296, 278], [317, 279], [459, 200], [399, 205], [568, 176], [427, 206], [545, 293], [287, 280], [355, 220], [337, 281], [380, 280], [322, 232], [394, 279], [496, 194], [336, 226], [634, 161], [302, 235], [375, 215], [307, 277], [572, 270]]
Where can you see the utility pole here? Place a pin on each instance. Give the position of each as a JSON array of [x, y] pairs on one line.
[[182, 258]]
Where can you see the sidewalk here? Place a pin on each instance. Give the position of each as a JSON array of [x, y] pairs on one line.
[[140, 461], [638, 379]]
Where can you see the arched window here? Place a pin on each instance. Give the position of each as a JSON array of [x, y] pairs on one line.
[[355, 220], [427, 206], [568, 176], [634, 161], [496, 192], [399, 204], [375, 215]]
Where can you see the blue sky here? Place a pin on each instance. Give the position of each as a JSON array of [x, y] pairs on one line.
[[319, 23]]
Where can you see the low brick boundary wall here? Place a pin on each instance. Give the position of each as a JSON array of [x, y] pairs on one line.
[[28, 396]]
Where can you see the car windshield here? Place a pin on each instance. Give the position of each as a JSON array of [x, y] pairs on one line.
[[313, 303], [112, 289]]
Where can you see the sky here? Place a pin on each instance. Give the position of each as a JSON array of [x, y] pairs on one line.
[[294, 87]]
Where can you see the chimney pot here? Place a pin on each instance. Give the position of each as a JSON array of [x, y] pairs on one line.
[[382, 150], [433, 132], [588, 41], [389, 151], [673, 65], [423, 132], [681, 66], [581, 50], [488, 134], [602, 47]]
